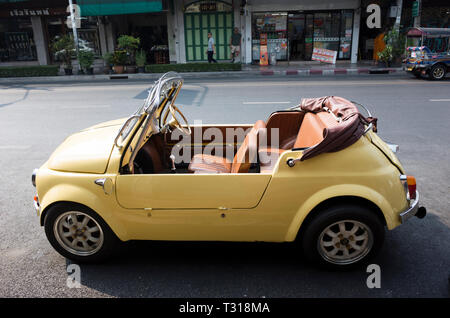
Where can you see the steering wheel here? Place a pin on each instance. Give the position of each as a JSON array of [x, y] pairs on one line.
[[174, 122]]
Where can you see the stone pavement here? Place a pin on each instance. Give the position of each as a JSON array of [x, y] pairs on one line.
[[281, 69]]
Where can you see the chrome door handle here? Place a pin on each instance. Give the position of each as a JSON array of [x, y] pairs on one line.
[[106, 184], [100, 182]]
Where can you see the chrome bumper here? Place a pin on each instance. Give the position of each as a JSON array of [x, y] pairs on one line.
[[413, 210]]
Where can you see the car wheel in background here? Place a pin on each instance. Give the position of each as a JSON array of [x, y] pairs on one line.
[[437, 72], [343, 237], [78, 233]]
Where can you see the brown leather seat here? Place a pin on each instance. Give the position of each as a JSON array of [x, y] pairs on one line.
[[245, 156], [209, 164], [309, 134]]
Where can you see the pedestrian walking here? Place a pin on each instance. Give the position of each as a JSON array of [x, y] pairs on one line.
[[211, 48], [235, 44]]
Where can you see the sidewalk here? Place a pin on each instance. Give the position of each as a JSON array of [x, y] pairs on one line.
[[308, 68], [311, 68]]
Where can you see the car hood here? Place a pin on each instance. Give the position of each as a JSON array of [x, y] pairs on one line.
[[87, 151]]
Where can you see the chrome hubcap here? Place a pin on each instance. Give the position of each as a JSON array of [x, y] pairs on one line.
[[345, 242], [78, 233], [438, 72]]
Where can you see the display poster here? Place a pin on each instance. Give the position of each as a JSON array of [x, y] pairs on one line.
[[324, 55], [263, 53]]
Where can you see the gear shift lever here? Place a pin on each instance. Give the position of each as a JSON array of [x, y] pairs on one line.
[[172, 158]]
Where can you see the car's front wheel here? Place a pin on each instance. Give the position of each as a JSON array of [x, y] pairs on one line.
[[78, 233], [343, 236]]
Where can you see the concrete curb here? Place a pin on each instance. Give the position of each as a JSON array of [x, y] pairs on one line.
[[155, 76]]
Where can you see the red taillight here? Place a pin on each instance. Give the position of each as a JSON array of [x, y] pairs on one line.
[[411, 182]]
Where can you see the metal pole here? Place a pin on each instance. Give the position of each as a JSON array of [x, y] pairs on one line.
[[74, 29], [399, 15], [417, 19]]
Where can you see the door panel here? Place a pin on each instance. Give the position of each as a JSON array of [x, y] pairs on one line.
[[191, 191], [197, 26]]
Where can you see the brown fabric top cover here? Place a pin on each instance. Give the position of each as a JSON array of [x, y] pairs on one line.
[[346, 133]]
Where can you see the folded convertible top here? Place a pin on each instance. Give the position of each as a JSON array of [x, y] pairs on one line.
[[347, 132]]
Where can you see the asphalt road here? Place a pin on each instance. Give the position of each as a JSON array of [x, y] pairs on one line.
[[415, 260]]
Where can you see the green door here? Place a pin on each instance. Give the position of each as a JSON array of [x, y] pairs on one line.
[[197, 26]]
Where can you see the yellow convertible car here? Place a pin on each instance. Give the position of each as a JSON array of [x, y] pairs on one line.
[[316, 173]]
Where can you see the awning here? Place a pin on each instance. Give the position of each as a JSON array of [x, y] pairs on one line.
[[429, 32], [114, 7]]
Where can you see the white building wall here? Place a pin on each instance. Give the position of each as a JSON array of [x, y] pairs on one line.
[[40, 40], [355, 35]]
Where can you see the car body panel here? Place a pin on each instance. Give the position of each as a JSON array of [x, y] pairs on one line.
[[191, 191], [87, 151], [290, 196]]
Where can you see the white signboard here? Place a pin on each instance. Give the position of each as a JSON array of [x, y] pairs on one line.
[[324, 55]]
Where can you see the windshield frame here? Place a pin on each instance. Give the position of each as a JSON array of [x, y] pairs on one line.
[[158, 95]]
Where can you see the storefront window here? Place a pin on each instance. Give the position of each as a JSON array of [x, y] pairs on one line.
[[16, 40], [296, 34], [346, 34], [87, 34], [274, 26], [326, 30]]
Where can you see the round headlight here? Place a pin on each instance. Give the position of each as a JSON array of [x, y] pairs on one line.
[[33, 177]]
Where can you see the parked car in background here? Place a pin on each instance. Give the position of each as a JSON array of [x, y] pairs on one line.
[[430, 55]]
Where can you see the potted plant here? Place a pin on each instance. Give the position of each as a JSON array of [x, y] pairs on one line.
[[141, 59], [109, 62], [63, 48], [129, 44], [119, 59], [386, 56], [86, 58], [395, 44]]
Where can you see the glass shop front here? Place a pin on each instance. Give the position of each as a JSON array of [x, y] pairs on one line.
[[292, 36]]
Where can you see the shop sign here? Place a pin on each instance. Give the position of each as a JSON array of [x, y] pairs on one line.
[[415, 9], [32, 12], [208, 6], [27, 12], [324, 55], [332, 39]]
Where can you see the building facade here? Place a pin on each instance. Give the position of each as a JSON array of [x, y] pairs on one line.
[[292, 27], [176, 31]]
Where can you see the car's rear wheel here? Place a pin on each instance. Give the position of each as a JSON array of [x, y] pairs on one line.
[[437, 72], [78, 233], [343, 236]]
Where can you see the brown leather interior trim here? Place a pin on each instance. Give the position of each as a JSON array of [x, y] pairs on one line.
[[288, 123]]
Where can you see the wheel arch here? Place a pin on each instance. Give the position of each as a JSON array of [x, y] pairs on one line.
[[70, 194], [353, 200], [345, 194], [445, 66]]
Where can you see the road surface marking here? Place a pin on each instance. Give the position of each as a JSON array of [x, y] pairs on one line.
[[440, 100], [13, 147], [258, 103], [85, 106]]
